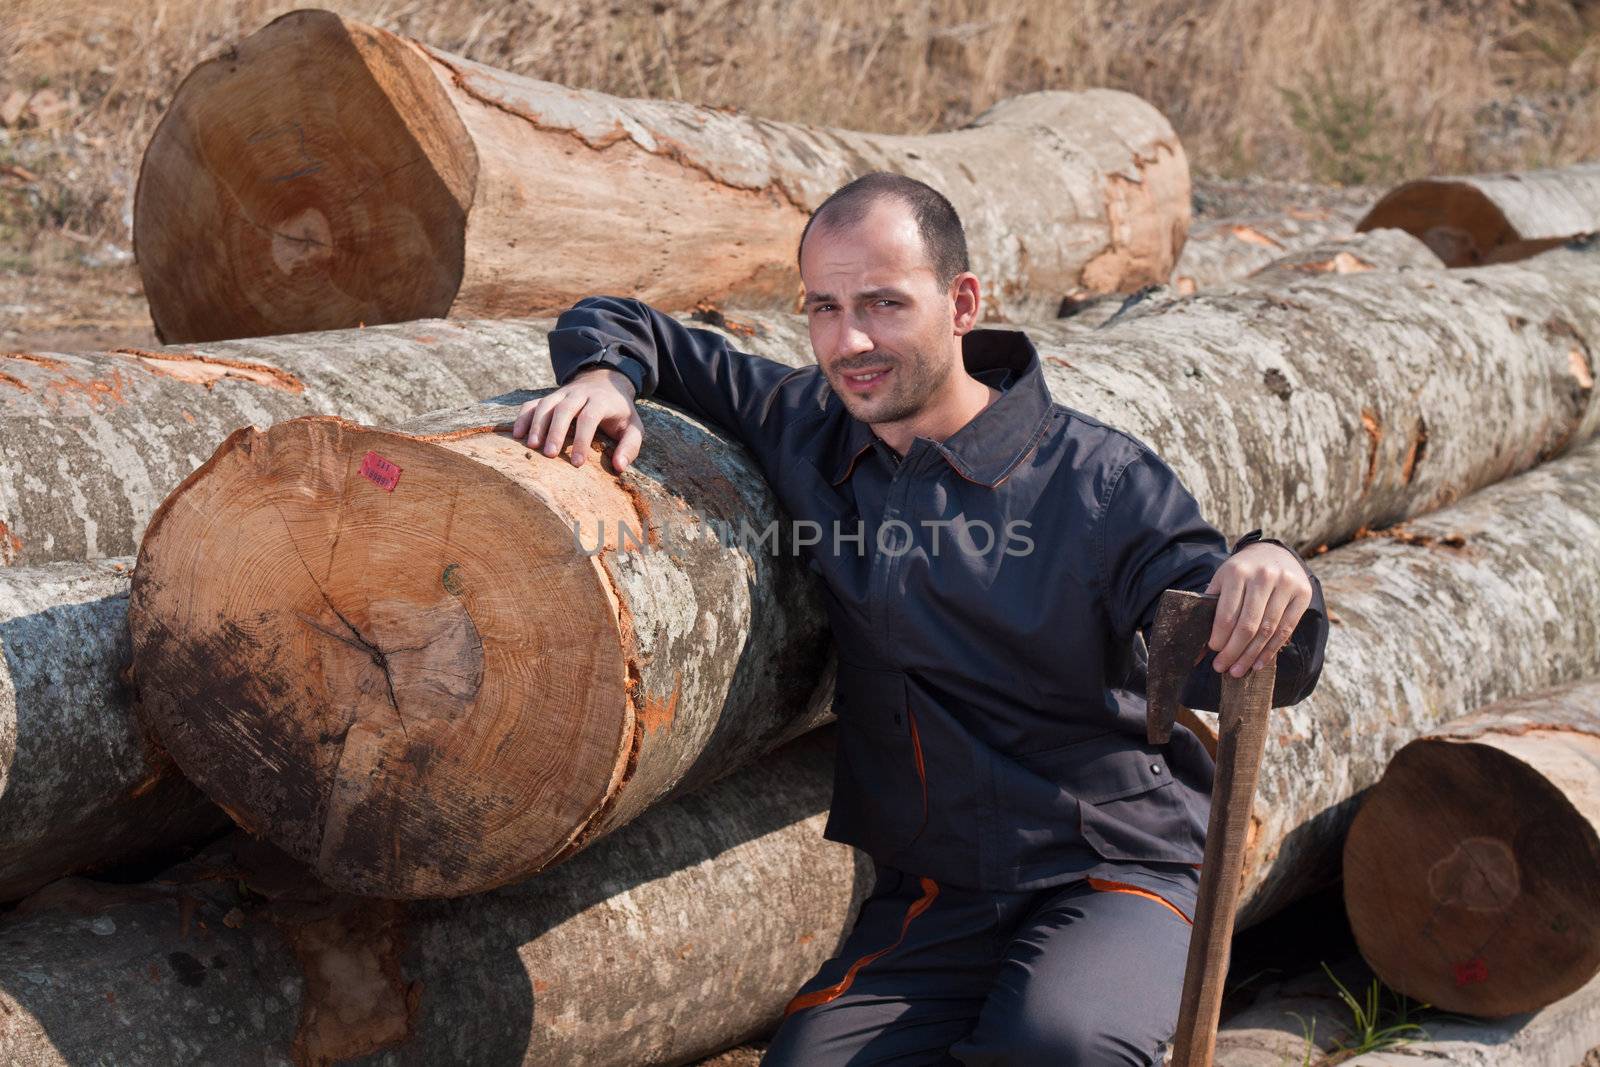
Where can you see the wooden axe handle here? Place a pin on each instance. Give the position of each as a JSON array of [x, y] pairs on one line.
[[1241, 739]]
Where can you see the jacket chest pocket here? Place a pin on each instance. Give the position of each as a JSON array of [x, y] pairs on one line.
[[880, 787]]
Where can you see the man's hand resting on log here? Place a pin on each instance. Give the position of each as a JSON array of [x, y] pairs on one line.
[[600, 398]]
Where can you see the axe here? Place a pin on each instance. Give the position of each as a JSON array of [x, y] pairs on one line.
[[1178, 641]]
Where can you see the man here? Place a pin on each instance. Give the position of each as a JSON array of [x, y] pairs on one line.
[[1036, 859]]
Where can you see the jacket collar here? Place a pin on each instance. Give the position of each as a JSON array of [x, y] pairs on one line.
[[996, 439]]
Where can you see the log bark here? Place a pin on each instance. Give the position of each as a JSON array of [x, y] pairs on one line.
[[1433, 618], [1387, 250], [1221, 251], [1335, 377], [370, 671], [682, 934], [1494, 218], [122, 428], [1470, 870], [80, 785], [265, 196]]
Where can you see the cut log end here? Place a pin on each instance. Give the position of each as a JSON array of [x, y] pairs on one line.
[[361, 667], [1469, 880], [320, 159]]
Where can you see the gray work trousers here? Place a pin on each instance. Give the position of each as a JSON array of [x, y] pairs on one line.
[[1088, 973]]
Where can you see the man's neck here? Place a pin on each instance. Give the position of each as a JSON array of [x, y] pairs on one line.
[[941, 419]]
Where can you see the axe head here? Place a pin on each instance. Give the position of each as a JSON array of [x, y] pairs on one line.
[[1178, 640]]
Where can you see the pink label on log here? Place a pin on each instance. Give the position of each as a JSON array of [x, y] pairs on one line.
[[1473, 971], [380, 472]]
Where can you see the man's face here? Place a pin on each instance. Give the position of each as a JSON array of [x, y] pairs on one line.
[[874, 304]]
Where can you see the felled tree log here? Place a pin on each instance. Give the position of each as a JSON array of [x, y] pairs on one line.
[[1220, 251], [323, 173], [1321, 407], [1470, 870], [1387, 250], [1336, 378], [1481, 601], [682, 934], [80, 786], [428, 662], [90, 443], [1493, 218]]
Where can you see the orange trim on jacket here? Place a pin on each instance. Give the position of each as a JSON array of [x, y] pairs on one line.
[[930, 890]]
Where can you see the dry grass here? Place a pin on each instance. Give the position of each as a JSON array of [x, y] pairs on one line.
[[1349, 91]]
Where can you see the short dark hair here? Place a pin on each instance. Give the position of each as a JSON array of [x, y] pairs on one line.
[[943, 237]]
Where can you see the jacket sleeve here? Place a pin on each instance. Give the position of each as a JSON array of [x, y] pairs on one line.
[[1152, 537], [691, 369]]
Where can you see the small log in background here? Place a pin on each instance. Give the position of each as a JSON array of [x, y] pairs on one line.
[[1223, 250], [1493, 218], [323, 173], [1470, 872]]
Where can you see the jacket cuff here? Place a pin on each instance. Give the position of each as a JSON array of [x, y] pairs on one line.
[[609, 357], [1255, 535]]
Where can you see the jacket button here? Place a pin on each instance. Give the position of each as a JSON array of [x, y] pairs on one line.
[[1155, 768]]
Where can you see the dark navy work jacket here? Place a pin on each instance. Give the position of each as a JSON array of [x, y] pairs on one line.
[[991, 676]]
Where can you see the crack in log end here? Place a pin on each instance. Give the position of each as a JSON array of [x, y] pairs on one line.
[[1417, 449], [1369, 423], [14, 382], [1277, 384], [1340, 263], [356, 999], [10, 546], [208, 370], [657, 713]]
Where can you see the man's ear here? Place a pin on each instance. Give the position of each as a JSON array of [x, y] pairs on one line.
[[966, 298]]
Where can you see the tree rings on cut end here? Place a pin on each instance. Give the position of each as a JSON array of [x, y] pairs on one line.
[[383, 652], [313, 176], [1469, 879]]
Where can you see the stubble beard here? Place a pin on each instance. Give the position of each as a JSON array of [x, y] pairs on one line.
[[913, 383]]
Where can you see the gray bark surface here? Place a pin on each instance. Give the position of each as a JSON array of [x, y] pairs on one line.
[[678, 936], [91, 443], [1221, 251], [1482, 601], [80, 785]]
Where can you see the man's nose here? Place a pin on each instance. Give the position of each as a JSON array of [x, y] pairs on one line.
[[852, 340]]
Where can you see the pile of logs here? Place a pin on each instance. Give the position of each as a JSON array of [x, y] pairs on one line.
[[374, 653]]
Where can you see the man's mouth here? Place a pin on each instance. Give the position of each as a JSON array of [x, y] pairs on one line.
[[863, 380]]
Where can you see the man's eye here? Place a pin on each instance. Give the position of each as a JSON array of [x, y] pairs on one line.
[[886, 300]]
